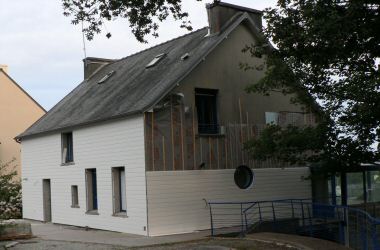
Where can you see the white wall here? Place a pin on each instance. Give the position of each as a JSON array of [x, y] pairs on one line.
[[118, 143], [176, 199]]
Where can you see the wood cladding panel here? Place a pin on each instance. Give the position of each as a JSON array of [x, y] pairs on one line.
[[172, 142]]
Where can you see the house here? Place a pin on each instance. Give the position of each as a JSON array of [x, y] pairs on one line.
[[18, 111], [143, 141]]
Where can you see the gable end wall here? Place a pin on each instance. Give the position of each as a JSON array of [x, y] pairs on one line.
[[113, 144], [177, 199]]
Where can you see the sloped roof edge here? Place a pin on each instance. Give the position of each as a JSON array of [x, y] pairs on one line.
[[23, 90]]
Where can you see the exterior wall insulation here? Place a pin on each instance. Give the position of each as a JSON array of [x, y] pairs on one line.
[[114, 144], [177, 199]]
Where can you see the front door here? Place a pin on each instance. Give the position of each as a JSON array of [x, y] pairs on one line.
[[46, 199]]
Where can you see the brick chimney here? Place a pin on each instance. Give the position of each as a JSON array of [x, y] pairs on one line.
[[4, 68], [92, 64], [220, 13]]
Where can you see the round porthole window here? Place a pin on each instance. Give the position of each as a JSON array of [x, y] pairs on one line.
[[243, 177]]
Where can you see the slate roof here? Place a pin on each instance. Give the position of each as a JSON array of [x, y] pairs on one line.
[[133, 88]]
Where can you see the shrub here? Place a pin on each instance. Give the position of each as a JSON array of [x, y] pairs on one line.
[[10, 192]]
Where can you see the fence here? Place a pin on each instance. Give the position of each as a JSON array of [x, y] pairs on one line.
[[352, 227]]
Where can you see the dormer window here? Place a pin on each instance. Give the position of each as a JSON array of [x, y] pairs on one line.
[[67, 148], [155, 60], [206, 103]]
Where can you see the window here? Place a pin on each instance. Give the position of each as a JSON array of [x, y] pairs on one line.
[[74, 196], [271, 118], [155, 60], [119, 190], [92, 192], [243, 177], [105, 78], [206, 103], [67, 147]]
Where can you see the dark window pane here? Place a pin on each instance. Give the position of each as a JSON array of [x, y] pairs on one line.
[[67, 147], [206, 103], [94, 191], [91, 189]]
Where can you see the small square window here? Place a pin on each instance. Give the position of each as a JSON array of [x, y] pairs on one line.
[[74, 196], [67, 148], [206, 103]]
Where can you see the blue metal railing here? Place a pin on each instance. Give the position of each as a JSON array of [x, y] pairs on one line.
[[346, 225]]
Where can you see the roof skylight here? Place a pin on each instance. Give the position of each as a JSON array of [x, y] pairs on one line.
[[105, 78], [185, 56], [155, 60]]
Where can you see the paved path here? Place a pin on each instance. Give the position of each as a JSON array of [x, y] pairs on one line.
[[56, 232], [62, 237], [306, 243]]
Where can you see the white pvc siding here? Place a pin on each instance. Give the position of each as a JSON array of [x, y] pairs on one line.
[[176, 199], [114, 144]]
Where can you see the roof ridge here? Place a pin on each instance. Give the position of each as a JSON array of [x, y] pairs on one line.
[[157, 45]]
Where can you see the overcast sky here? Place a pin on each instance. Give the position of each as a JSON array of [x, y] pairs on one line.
[[44, 51]]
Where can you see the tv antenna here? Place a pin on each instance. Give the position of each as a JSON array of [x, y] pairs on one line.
[[84, 45]]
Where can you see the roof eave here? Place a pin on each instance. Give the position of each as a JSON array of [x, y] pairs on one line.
[[71, 127]]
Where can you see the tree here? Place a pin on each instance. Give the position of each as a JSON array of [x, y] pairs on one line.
[[326, 50], [143, 16]]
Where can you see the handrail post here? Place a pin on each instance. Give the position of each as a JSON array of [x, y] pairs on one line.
[[303, 215], [346, 231], [291, 202], [212, 222], [245, 221], [260, 215], [310, 220], [274, 217], [242, 221]]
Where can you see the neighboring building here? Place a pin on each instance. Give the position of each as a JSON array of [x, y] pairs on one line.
[[18, 111], [143, 141]]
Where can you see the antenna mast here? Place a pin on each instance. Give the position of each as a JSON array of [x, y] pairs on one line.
[[84, 46]]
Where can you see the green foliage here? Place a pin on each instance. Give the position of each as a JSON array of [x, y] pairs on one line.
[[292, 144], [10, 192], [327, 51], [318, 146], [143, 16]]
